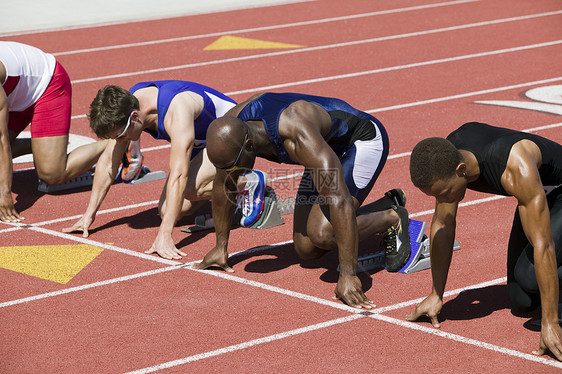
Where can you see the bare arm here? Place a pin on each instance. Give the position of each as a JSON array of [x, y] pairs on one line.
[[521, 179], [8, 212], [303, 128], [179, 123], [104, 176], [224, 197], [441, 241]]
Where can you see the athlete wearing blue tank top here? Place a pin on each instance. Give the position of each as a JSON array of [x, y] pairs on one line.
[[343, 151], [176, 111], [505, 162]]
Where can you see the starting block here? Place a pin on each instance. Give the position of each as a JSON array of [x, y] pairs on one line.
[[270, 216], [419, 252], [145, 175], [87, 179]]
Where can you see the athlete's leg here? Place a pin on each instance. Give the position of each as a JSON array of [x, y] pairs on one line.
[[523, 289], [54, 166], [50, 127], [312, 231], [17, 122], [199, 185], [362, 163], [520, 300]]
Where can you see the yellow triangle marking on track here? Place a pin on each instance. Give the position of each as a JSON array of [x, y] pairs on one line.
[[57, 263], [234, 42]]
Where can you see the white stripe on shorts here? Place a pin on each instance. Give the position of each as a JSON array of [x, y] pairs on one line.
[[367, 159]]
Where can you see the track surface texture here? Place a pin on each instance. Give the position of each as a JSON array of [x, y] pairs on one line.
[[421, 67]]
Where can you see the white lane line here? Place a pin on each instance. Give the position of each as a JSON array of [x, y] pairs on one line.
[[176, 265], [466, 203], [80, 239], [408, 105], [88, 286], [19, 226], [324, 47], [356, 315], [248, 344], [465, 340], [265, 28], [460, 96], [445, 295], [400, 67]]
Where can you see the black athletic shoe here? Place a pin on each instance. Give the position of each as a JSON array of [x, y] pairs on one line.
[[397, 242], [397, 196]]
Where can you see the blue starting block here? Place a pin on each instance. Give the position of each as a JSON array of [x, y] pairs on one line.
[[419, 252]]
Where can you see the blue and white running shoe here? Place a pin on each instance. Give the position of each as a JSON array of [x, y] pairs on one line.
[[253, 197]]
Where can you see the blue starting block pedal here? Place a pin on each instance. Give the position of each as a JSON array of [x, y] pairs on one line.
[[419, 252]]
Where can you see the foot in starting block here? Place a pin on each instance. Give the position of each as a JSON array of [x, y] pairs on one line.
[[145, 175], [419, 252], [270, 217], [87, 179], [84, 180]]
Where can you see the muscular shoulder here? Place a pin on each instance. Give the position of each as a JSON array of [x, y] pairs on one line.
[[185, 103], [521, 173], [304, 116]]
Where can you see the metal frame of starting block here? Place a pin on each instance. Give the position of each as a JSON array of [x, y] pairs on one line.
[[144, 176], [84, 180], [87, 179], [270, 216], [419, 252]]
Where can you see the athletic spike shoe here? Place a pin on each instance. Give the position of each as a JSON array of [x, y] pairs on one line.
[[132, 162], [397, 242], [253, 197], [397, 196]]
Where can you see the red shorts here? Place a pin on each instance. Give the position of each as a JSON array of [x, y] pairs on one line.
[[50, 115]]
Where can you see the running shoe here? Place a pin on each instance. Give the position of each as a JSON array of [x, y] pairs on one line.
[[132, 162], [397, 196], [252, 197], [397, 242]]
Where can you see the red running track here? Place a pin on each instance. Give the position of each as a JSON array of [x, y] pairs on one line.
[[418, 66]]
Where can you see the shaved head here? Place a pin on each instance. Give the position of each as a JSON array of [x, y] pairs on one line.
[[225, 137]]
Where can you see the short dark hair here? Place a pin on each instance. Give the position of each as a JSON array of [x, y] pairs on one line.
[[433, 159], [110, 109]]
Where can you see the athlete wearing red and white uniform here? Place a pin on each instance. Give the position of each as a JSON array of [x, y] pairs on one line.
[[36, 90], [28, 73]]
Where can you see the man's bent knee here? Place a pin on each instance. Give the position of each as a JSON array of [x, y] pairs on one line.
[[307, 250], [521, 301], [52, 178]]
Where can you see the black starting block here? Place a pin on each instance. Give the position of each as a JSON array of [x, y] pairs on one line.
[[419, 252], [87, 179]]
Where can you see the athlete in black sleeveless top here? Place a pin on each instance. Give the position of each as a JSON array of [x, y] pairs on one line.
[[503, 162]]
